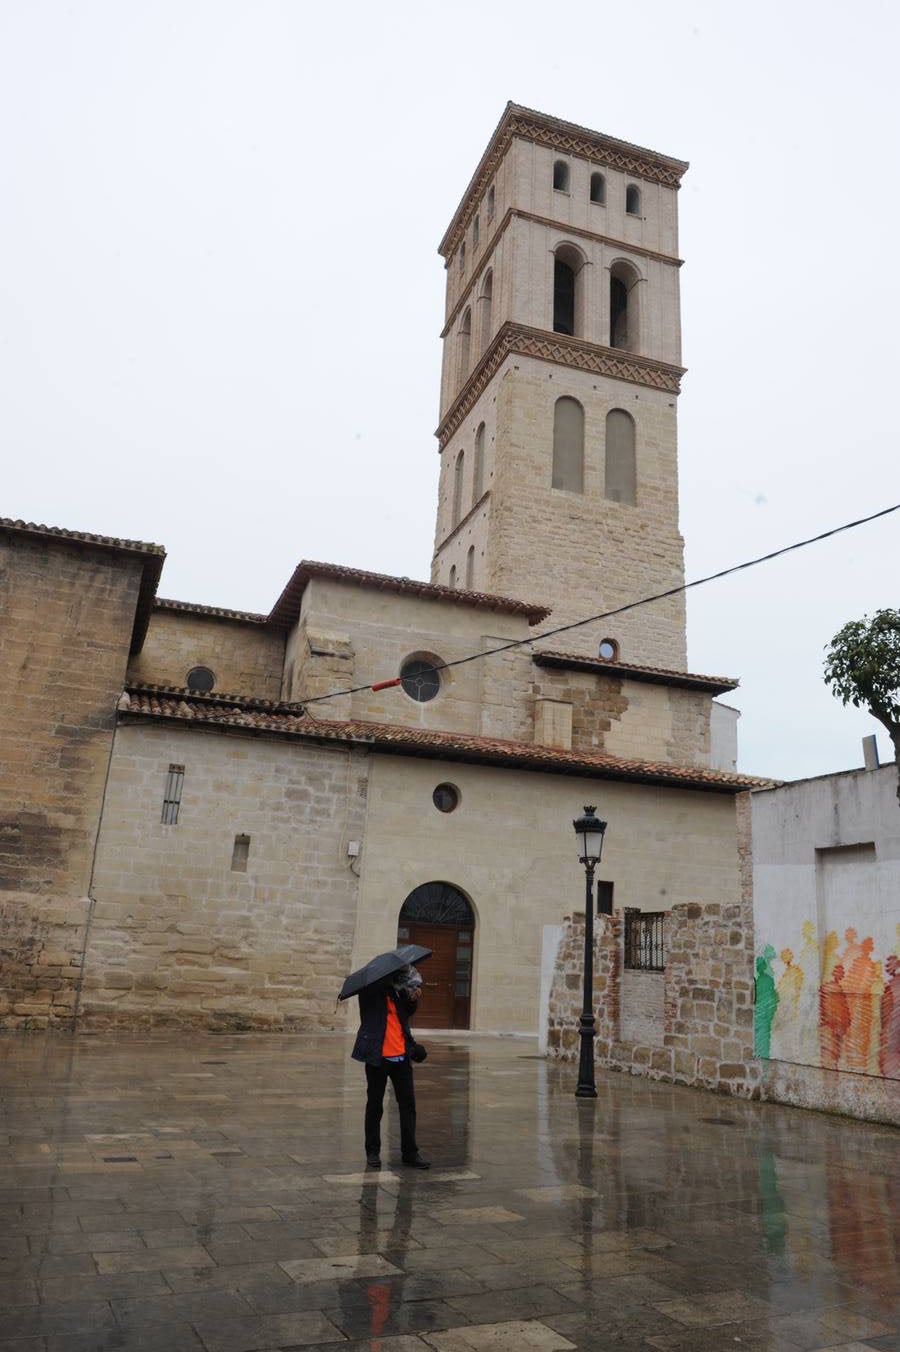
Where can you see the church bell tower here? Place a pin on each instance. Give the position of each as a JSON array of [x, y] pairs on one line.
[[561, 372]]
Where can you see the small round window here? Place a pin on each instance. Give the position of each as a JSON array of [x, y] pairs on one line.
[[200, 679], [446, 798], [419, 679], [608, 650]]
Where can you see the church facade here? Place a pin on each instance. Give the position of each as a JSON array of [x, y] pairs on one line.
[[208, 817]]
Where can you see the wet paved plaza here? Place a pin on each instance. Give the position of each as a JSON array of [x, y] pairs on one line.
[[203, 1192]]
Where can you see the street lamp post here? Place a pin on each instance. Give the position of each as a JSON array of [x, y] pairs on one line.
[[590, 832]]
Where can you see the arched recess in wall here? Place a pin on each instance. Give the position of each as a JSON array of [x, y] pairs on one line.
[[478, 465], [464, 347], [568, 445], [568, 290], [458, 472], [621, 467], [439, 916], [624, 310], [485, 307], [470, 569]]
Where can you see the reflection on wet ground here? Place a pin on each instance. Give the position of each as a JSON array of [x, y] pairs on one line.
[[206, 1192]]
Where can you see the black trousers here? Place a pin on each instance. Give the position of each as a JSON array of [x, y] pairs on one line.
[[401, 1077]]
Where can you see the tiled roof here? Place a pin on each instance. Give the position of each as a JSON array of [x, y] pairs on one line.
[[285, 720], [654, 675], [215, 612], [287, 607], [151, 556], [80, 537]]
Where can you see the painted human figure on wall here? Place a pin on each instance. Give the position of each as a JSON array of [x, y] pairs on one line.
[[808, 1003], [786, 1021], [889, 1040], [834, 1018], [765, 1003], [863, 985]]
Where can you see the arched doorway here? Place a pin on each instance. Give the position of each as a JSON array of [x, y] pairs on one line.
[[438, 916]]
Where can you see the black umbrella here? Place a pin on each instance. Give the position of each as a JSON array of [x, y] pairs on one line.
[[384, 965]]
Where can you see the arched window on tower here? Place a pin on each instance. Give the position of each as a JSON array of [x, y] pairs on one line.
[[621, 470], [464, 348], [568, 280], [458, 487], [476, 230], [490, 203], [598, 188], [470, 569], [486, 305], [568, 445], [623, 309], [561, 176], [478, 466], [633, 200], [452, 583]]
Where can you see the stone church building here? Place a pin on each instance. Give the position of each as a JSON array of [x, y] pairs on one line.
[[208, 817]]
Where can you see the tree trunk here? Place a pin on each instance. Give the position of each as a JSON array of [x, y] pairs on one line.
[[894, 730]]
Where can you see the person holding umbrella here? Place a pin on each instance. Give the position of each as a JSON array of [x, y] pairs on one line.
[[388, 988]]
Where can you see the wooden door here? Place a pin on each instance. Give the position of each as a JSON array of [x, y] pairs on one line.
[[446, 975]]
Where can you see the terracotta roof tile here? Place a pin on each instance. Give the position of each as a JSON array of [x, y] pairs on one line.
[[287, 607], [216, 612], [655, 675], [160, 702], [80, 537]]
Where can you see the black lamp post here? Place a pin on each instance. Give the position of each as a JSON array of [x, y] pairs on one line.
[[590, 832]]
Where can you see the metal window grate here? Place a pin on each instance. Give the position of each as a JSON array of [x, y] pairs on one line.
[[172, 795], [645, 940]]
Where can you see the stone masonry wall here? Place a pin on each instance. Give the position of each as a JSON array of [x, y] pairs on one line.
[[67, 615], [705, 1037], [246, 659], [179, 936]]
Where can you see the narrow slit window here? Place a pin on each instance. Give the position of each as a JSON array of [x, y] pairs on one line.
[[452, 582], [561, 176], [470, 568], [490, 203], [478, 467], [240, 854], [476, 230], [172, 795]]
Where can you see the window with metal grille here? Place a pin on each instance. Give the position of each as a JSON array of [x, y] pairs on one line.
[[172, 795], [645, 940]]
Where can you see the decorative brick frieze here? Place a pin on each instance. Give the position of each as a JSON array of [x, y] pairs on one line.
[[562, 350]]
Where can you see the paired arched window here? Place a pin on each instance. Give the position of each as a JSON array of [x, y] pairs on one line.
[[486, 305], [464, 347], [470, 569], [623, 311], [621, 470], [568, 265], [633, 200], [478, 466], [568, 445], [561, 176], [598, 188], [458, 471]]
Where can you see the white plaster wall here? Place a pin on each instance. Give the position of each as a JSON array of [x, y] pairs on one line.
[[723, 736]]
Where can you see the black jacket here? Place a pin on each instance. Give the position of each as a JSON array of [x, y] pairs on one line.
[[373, 1022]]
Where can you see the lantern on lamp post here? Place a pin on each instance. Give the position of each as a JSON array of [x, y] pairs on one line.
[[589, 831]]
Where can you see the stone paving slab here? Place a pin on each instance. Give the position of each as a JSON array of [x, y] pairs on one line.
[[205, 1194]]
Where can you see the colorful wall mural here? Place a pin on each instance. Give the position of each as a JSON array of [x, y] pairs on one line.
[[834, 1004]]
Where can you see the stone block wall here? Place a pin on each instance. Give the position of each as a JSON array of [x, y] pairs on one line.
[[704, 1036], [246, 658], [68, 611], [179, 936]]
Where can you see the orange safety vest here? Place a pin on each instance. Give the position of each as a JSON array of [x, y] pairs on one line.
[[394, 1042]]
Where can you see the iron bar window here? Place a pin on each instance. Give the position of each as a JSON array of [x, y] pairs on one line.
[[172, 795], [645, 940]]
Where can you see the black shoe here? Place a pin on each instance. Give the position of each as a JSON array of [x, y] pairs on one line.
[[416, 1161], [373, 1159]]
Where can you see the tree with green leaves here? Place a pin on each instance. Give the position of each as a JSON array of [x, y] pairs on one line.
[[862, 667]]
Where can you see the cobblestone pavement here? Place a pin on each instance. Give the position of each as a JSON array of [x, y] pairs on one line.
[[201, 1192]]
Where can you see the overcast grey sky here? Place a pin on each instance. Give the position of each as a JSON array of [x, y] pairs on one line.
[[220, 296]]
